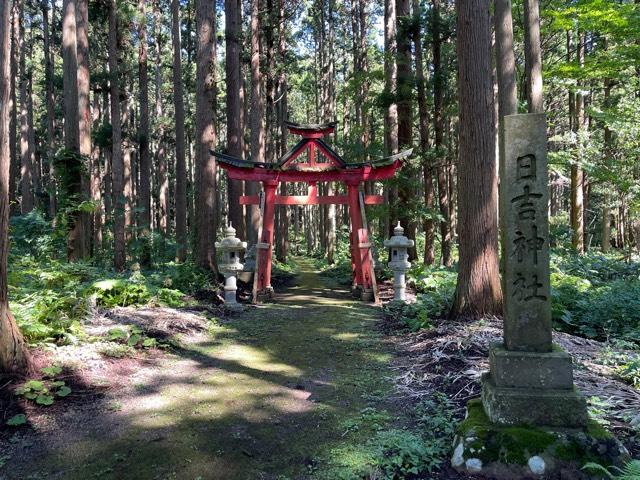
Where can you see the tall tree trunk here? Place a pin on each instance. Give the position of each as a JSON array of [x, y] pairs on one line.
[[27, 201], [533, 55], [283, 237], [16, 13], [364, 68], [506, 79], [163, 177], [423, 114], [144, 197], [205, 135], [233, 39], [85, 120], [390, 92], [117, 164], [391, 77], [577, 174], [14, 356], [406, 191], [71, 187], [439, 82], [98, 115], [478, 290], [608, 151], [256, 115], [50, 103], [34, 162], [181, 169]]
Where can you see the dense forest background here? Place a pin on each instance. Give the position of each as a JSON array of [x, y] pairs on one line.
[[115, 107], [262, 63]]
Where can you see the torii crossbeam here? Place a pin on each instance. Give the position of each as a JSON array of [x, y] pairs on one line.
[[321, 164]]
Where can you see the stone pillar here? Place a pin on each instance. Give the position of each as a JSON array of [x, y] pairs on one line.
[[530, 379]]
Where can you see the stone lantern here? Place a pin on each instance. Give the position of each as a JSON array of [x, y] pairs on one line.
[[231, 248], [399, 264]]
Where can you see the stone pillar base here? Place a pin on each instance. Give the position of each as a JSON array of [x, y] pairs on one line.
[[494, 451], [265, 295], [234, 307], [366, 295]]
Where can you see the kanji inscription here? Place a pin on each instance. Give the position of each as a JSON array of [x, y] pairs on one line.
[[524, 220]]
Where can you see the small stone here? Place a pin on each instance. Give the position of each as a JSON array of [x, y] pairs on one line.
[[474, 465], [536, 465], [457, 460]]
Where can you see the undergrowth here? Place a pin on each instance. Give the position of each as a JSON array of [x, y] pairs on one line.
[[594, 295], [394, 452], [50, 297]]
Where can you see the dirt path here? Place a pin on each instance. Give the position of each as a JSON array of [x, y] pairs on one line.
[[263, 395]]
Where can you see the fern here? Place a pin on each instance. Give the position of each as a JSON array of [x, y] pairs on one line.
[[631, 471]]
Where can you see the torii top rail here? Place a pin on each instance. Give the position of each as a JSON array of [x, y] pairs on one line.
[[328, 167]]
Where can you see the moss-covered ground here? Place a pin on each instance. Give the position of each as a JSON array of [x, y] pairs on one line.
[[269, 393]]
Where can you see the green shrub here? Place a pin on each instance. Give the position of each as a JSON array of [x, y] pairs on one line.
[[32, 234], [120, 293], [630, 372], [170, 297]]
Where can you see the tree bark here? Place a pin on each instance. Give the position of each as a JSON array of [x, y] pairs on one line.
[[14, 356], [478, 291], [72, 185], [26, 187], [163, 178], [533, 56], [608, 151], [117, 164], [233, 37], [406, 190], [144, 197], [50, 104], [391, 77], [506, 77], [205, 135], [577, 174], [256, 115], [181, 169], [85, 120], [438, 128], [423, 115], [13, 126]]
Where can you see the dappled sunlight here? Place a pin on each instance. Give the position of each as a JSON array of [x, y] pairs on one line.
[[256, 359], [261, 393]]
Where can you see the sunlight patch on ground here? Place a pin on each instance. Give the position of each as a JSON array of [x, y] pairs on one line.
[[347, 336], [255, 359]]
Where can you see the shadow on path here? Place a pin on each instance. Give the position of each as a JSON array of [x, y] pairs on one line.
[[265, 395]]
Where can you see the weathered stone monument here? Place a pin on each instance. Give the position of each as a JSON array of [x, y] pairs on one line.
[[530, 380], [531, 420], [399, 264]]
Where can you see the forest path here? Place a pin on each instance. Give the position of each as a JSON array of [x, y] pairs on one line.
[[266, 394]]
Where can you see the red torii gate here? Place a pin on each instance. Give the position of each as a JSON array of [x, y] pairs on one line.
[[330, 169]]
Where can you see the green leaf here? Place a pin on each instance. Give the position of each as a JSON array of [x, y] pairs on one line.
[[63, 391], [36, 385], [17, 420], [149, 342], [133, 340], [51, 371], [44, 400], [30, 395]]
